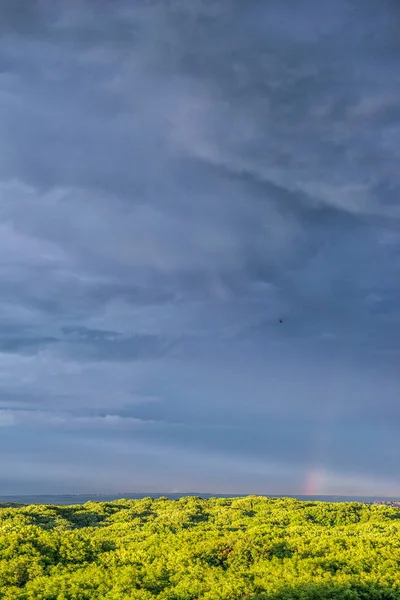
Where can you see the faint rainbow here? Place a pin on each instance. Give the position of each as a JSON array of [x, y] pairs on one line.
[[316, 475]]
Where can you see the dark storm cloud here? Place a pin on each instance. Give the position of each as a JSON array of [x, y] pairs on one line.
[[175, 177], [25, 345], [20, 17]]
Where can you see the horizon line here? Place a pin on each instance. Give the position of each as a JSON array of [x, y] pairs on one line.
[[199, 494]]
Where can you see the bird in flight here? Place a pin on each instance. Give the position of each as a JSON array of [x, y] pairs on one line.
[[280, 320]]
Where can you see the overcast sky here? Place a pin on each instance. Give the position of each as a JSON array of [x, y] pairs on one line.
[[176, 177]]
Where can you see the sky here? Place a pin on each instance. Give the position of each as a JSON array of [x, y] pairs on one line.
[[176, 178]]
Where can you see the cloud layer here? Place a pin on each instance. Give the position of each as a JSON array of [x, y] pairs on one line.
[[174, 179]]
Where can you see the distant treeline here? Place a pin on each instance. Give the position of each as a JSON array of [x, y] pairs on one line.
[[252, 548]]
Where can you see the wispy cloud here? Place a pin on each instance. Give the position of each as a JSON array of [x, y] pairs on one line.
[[43, 419]]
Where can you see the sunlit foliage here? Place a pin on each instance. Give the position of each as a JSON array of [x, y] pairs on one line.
[[218, 549]]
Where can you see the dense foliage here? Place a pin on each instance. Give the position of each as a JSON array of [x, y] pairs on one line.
[[216, 549]]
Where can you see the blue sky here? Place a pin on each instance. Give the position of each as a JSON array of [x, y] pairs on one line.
[[175, 177]]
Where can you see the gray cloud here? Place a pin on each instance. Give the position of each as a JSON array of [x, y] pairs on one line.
[[36, 418], [175, 178]]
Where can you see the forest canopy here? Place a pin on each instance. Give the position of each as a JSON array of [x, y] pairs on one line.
[[252, 548]]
